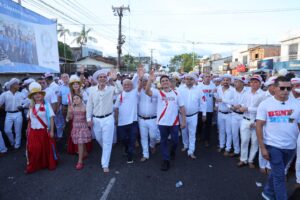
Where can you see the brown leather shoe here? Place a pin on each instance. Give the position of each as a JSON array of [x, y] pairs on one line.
[[251, 165], [143, 159], [241, 164], [192, 156], [226, 153]]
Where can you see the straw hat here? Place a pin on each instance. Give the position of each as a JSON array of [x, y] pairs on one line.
[[34, 88], [74, 79]]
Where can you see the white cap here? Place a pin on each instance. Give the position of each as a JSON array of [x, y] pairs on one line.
[[13, 81], [46, 75], [270, 81], [241, 78], [97, 73], [28, 81], [226, 76], [295, 81]]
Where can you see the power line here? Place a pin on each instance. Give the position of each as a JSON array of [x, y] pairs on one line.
[[214, 12]]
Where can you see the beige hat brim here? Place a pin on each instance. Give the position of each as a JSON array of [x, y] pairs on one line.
[[31, 94]]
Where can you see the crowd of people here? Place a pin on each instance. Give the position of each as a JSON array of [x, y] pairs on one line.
[[158, 107]]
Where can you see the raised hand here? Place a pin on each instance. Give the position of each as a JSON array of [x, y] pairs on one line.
[[152, 75], [113, 74], [81, 69], [140, 71]]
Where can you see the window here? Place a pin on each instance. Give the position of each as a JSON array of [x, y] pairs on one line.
[[236, 59], [256, 56], [293, 51], [245, 60]]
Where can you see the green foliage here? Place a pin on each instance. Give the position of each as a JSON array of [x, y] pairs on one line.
[[61, 50], [130, 63], [184, 61]]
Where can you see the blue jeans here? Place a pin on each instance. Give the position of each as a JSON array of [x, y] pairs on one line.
[[127, 135], [165, 131], [275, 186]]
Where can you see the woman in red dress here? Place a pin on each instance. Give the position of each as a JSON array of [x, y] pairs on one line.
[[40, 148], [75, 88]]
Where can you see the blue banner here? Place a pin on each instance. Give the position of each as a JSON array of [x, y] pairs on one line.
[[28, 41]]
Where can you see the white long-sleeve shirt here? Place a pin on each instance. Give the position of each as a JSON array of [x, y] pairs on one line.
[[252, 101], [11, 101], [226, 98], [100, 102], [193, 99]]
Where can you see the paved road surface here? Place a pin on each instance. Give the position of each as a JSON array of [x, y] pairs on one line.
[[211, 176]]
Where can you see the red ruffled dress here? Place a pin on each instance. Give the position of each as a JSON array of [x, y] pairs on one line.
[[41, 148], [71, 147], [81, 134]]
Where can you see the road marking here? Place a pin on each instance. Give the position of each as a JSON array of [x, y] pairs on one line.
[[108, 188]]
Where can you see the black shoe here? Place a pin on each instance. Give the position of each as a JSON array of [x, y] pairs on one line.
[[165, 166], [129, 159], [172, 155]]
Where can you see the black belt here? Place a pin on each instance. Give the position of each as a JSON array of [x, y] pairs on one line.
[[103, 116], [192, 114], [247, 118], [240, 113], [147, 118], [224, 112], [65, 105], [13, 111]]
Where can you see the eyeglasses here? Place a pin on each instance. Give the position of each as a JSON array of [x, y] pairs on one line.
[[285, 88]]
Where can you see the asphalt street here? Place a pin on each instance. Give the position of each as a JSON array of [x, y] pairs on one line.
[[211, 176]]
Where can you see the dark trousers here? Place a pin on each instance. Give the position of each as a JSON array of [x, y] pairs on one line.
[[127, 134], [205, 125], [165, 131]]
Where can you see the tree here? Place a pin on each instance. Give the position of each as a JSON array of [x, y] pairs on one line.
[[62, 31], [130, 63], [184, 61], [64, 50], [82, 37]]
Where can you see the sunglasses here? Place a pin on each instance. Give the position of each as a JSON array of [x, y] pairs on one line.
[[285, 88]]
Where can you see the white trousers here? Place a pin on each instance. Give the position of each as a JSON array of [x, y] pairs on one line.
[[248, 133], [3, 148], [15, 119], [263, 163], [104, 133], [189, 134], [298, 161], [148, 130], [236, 121], [225, 134]]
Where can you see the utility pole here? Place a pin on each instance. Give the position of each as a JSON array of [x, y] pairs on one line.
[[118, 11]]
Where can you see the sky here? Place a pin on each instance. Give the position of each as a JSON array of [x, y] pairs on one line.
[[172, 27]]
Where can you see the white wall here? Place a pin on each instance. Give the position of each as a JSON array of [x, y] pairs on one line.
[[285, 49]]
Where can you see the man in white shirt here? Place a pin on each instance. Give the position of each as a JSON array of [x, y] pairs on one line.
[[99, 111], [236, 116], [249, 107], [169, 104], [147, 119], [279, 118], [193, 100], [209, 89], [295, 94], [13, 105], [126, 117], [224, 97]]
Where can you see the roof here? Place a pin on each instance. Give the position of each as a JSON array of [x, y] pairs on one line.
[[101, 59], [292, 38]]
